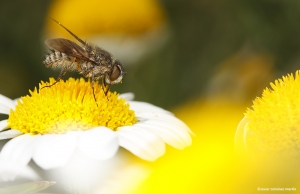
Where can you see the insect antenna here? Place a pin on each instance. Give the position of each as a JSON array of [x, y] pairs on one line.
[[77, 38]]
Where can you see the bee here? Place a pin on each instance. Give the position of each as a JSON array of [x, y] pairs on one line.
[[87, 59]]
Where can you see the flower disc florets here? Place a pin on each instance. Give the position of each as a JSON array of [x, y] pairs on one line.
[[69, 106], [273, 122]]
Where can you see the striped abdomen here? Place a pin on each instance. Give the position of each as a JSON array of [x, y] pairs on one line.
[[59, 59]]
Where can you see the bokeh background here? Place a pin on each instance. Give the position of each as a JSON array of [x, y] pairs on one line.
[[210, 46], [203, 60]]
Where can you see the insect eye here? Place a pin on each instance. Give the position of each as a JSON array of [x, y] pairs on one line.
[[116, 72]]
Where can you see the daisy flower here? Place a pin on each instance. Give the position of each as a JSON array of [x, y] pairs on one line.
[[271, 126], [49, 124]]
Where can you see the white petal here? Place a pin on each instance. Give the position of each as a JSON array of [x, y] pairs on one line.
[[239, 139], [99, 143], [161, 122], [141, 142], [6, 104], [54, 150], [180, 135], [16, 100], [3, 125], [163, 117], [146, 107], [19, 149], [15, 155], [31, 187], [4, 110], [168, 136], [127, 96], [9, 134]]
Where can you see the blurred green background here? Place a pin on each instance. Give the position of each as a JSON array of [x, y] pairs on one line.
[[203, 35]]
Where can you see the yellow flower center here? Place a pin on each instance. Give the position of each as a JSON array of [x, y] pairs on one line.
[[274, 120], [69, 106]]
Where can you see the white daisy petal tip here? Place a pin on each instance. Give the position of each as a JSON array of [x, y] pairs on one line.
[[141, 142], [15, 156], [3, 125], [4, 110], [6, 102], [9, 134], [127, 96], [31, 187], [154, 121], [172, 130], [53, 151], [240, 137]]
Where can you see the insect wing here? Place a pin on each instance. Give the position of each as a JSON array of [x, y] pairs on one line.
[[68, 47]]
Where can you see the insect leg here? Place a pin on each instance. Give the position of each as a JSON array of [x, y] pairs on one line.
[[60, 76], [93, 82], [94, 90], [103, 84], [108, 87]]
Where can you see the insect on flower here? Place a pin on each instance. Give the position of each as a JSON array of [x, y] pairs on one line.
[[89, 60]]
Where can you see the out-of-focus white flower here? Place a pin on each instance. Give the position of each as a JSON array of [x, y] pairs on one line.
[[27, 188]]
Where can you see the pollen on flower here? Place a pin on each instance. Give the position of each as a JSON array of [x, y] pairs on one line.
[[274, 119], [69, 106]]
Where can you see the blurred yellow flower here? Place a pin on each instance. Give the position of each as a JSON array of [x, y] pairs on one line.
[[209, 165], [268, 136], [128, 29], [271, 126], [107, 17]]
